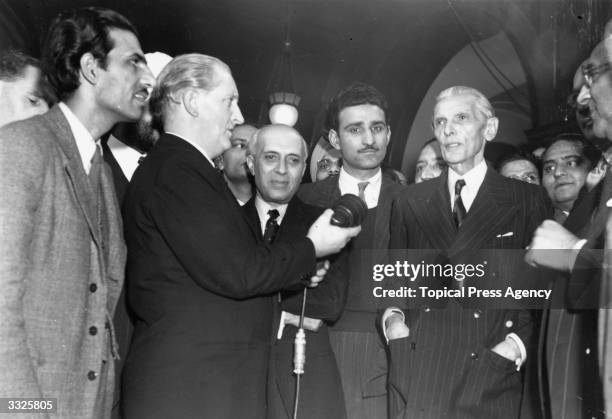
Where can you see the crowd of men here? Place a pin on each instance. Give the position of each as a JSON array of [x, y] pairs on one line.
[[159, 256]]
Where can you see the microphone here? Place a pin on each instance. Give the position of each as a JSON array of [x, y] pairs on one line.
[[349, 211]]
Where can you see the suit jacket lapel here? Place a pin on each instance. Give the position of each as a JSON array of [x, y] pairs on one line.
[[489, 212], [252, 218], [433, 213], [74, 168]]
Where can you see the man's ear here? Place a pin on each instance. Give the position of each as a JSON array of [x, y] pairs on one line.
[[491, 128], [334, 140], [89, 67], [250, 161], [220, 162], [189, 99]]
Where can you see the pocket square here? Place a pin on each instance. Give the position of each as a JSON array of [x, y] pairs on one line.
[[508, 234]]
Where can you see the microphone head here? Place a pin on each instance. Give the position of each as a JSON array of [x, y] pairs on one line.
[[349, 211]]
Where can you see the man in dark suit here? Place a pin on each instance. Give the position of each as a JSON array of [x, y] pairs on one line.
[[123, 149], [359, 129], [569, 334], [199, 284], [63, 256], [589, 285], [276, 158], [453, 361]]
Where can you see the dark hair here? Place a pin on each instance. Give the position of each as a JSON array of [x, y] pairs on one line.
[[13, 65], [76, 32], [354, 95], [589, 151], [518, 156]]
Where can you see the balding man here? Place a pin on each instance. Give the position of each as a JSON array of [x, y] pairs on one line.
[[200, 285], [276, 158]]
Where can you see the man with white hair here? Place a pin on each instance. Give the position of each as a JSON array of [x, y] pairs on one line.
[[200, 284], [449, 360]]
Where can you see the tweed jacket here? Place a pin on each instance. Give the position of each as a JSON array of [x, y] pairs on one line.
[[60, 280]]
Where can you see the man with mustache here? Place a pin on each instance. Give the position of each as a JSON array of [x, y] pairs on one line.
[[359, 129], [63, 256], [453, 360]]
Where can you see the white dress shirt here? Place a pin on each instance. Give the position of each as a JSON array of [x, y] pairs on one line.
[[84, 141], [262, 210], [473, 179], [126, 156], [349, 184]]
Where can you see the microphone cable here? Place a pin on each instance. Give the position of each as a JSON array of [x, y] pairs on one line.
[[299, 355]]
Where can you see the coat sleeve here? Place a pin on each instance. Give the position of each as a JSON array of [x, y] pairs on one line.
[[22, 164], [197, 224]]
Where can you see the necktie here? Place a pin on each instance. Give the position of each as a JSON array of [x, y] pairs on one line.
[[95, 171], [271, 226], [459, 211], [362, 186]]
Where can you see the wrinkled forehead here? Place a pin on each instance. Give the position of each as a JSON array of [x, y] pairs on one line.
[[280, 140], [449, 106], [602, 53]]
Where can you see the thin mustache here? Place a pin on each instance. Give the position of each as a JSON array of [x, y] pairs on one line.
[[369, 148]]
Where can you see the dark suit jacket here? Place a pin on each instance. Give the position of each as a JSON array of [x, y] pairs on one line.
[[321, 390], [571, 336], [200, 288], [446, 367], [360, 314], [122, 320]]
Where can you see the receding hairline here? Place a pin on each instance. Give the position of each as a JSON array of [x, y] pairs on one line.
[[254, 145]]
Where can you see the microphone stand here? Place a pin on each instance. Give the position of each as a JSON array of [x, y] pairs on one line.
[[299, 355]]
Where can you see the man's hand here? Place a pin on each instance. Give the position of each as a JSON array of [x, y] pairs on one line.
[[329, 239], [552, 246], [393, 324], [508, 349], [322, 268]]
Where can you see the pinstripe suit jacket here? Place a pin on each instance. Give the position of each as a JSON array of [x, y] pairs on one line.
[[59, 281], [445, 368]]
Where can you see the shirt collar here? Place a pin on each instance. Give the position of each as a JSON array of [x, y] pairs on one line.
[[262, 210], [349, 184], [126, 156], [84, 141], [473, 180], [200, 149]]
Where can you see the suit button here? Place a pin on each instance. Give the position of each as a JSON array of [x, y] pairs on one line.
[[93, 330], [474, 356], [93, 287], [426, 309], [477, 314], [413, 346], [588, 351], [509, 324], [91, 375]]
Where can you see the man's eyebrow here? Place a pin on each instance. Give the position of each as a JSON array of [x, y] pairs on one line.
[[140, 57]]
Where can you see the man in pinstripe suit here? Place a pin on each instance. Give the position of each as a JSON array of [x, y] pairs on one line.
[[455, 362]]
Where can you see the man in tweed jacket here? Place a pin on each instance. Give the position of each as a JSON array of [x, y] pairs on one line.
[[62, 251]]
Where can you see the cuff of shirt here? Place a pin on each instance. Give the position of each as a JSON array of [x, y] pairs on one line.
[[519, 342], [388, 313]]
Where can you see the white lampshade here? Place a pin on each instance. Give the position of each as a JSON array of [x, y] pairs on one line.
[[283, 113]]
